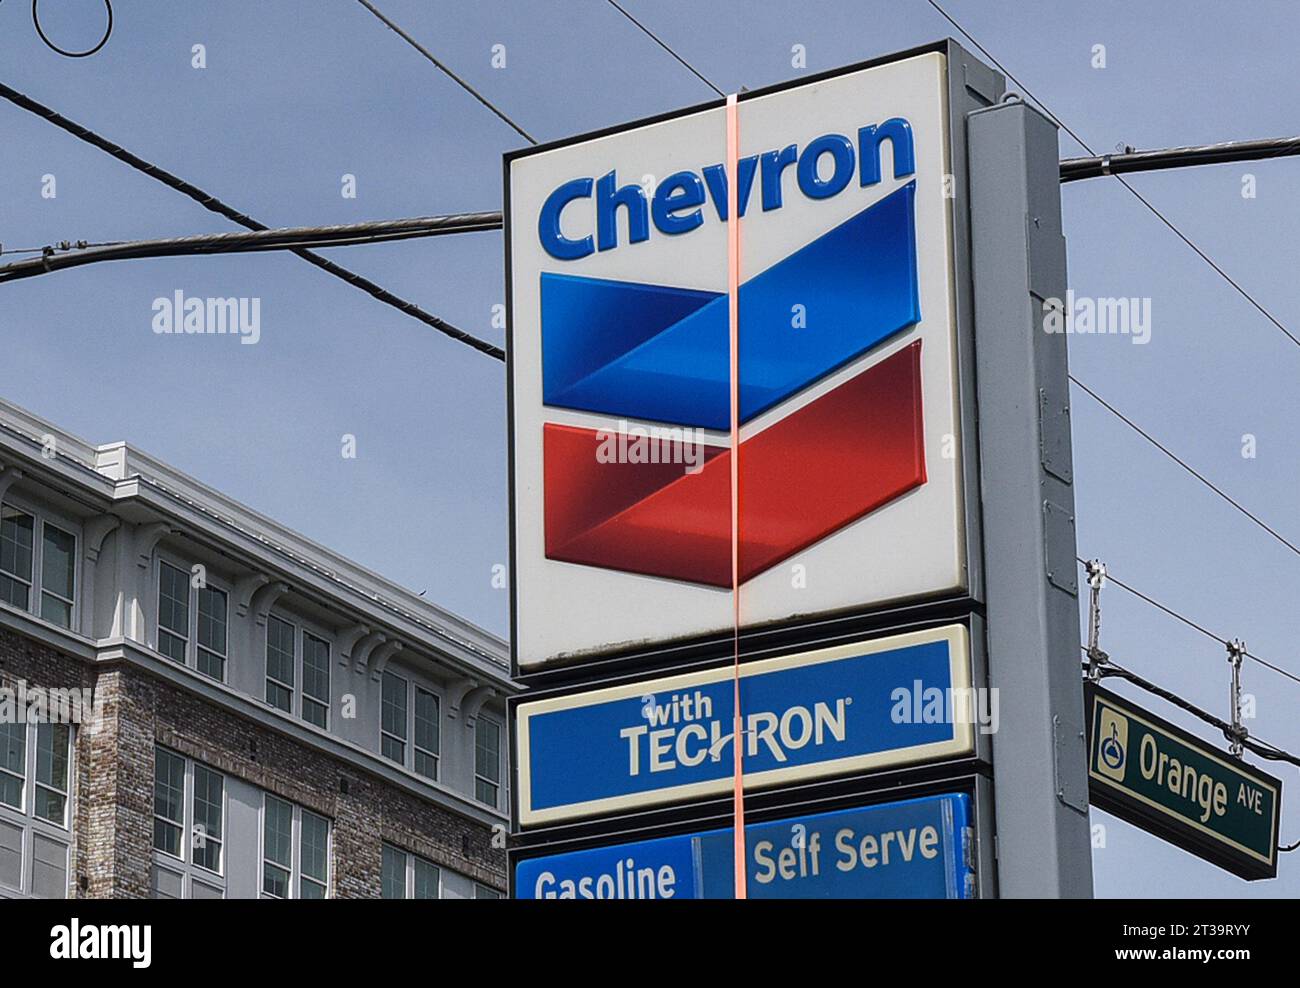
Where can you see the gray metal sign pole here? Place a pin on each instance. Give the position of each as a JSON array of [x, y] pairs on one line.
[[1040, 786]]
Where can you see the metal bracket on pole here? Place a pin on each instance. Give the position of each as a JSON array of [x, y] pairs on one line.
[[1096, 580], [1238, 735]]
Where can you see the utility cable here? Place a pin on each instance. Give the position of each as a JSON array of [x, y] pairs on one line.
[[286, 238], [1110, 577], [446, 71], [215, 205], [1073, 169], [1182, 463], [662, 44], [1137, 195]]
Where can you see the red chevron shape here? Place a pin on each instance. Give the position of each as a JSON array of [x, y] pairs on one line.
[[853, 450]]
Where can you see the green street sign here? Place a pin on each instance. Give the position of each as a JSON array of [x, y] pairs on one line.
[[1178, 787]]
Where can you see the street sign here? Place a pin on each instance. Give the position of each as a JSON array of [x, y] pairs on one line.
[[860, 707], [851, 454], [1176, 786], [916, 849]]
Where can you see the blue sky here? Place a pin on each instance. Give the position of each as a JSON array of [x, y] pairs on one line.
[[297, 93]]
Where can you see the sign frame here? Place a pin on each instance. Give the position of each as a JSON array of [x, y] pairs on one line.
[[1136, 809], [966, 841], [969, 85], [967, 741]]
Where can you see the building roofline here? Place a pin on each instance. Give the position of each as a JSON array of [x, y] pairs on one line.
[[117, 474]]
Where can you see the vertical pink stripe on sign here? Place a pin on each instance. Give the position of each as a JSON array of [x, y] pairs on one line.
[[733, 299]]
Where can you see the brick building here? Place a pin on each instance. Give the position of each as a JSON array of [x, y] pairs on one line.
[[251, 714]]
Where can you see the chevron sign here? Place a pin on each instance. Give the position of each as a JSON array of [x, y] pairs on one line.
[[849, 453]]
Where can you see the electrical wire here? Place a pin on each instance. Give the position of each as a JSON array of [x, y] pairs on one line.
[[1137, 195], [286, 238], [1074, 169], [446, 71], [660, 42], [212, 203], [108, 31], [1183, 463], [1110, 577]]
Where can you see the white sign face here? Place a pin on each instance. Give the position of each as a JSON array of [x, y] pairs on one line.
[[850, 472]]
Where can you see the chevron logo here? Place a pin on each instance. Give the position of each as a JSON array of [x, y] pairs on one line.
[[659, 353]]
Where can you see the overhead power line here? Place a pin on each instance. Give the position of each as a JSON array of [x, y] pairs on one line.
[[1195, 626], [446, 71], [662, 44], [1134, 192], [215, 205], [1183, 463], [1258, 746], [1073, 169], [285, 238]]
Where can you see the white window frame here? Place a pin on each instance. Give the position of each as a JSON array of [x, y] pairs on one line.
[[305, 631], [295, 850], [383, 734], [298, 695], [416, 750], [192, 631], [411, 857], [185, 867], [293, 662], [499, 782], [491, 893], [29, 823], [36, 588], [414, 682]]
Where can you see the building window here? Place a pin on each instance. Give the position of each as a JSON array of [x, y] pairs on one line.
[[52, 753], [35, 774], [426, 733], [314, 869], [485, 892], [20, 568], [16, 530], [392, 719], [295, 851], [186, 614], [280, 663], [487, 761], [189, 814], [281, 666], [168, 802], [173, 612], [315, 680], [409, 876], [58, 567], [211, 660], [410, 711], [13, 764], [209, 803], [393, 877]]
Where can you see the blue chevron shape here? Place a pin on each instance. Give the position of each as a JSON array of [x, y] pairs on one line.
[[662, 353]]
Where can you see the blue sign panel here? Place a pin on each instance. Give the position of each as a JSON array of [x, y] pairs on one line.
[[869, 705], [916, 849]]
